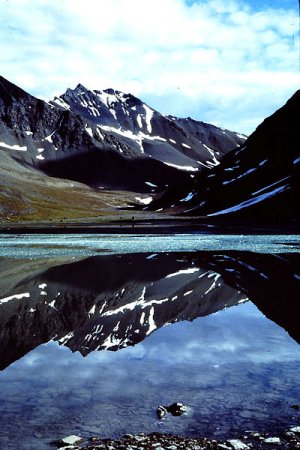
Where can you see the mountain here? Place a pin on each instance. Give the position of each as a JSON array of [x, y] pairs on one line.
[[258, 181], [183, 143], [102, 302], [106, 139]]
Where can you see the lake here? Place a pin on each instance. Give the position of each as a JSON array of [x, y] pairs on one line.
[[98, 331]]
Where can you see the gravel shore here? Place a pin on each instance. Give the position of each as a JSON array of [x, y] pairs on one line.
[[156, 441]]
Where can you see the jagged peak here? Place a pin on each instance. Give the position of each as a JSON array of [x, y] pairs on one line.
[[80, 87]]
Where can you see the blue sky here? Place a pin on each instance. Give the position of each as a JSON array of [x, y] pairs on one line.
[[231, 62]]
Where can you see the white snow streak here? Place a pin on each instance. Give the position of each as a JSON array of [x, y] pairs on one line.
[[89, 130], [240, 176], [13, 147], [296, 161], [139, 121], [188, 293], [145, 201], [269, 186], [92, 310], [151, 256], [183, 272], [13, 297], [250, 202], [59, 101], [142, 319], [187, 168], [149, 115], [188, 197], [152, 324], [66, 338]]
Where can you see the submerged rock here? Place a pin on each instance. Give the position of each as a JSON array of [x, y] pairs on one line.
[[176, 409]]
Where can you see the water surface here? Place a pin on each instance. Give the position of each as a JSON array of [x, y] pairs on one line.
[[96, 332]]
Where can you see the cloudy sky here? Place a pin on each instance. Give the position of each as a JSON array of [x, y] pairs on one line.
[[230, 62]]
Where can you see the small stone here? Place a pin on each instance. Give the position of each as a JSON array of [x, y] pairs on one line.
[[237, 444], [72, 439], [128, 436], [272, 440], [289, 434], [161, 412]]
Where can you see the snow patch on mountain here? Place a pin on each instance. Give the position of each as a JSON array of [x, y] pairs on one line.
[[15, 297], [250, 202], [149, 115], [187, 168], [13, 147]]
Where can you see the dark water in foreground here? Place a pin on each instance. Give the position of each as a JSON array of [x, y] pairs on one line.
[[95, 333]]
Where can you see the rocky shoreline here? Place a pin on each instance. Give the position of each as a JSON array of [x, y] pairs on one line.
[[289, 439]]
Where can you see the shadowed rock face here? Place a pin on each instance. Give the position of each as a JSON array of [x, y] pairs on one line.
[[111, 302], [260, 180], [107, 138]]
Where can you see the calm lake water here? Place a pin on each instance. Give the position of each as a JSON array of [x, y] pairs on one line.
[[97, 331]]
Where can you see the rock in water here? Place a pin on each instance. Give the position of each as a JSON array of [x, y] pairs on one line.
[[161, 412], [176, 409]]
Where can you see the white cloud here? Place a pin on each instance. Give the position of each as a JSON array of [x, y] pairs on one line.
[[216, 61]]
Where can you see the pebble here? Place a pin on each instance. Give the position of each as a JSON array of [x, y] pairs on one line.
[[72, 439], [272, 440]]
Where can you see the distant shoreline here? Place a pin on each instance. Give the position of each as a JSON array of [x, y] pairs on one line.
[[156, 226]]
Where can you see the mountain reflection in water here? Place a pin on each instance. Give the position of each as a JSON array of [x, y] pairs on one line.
[[114, 301], [235, 369]]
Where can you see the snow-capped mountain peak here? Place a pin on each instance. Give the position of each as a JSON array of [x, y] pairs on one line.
[[108, 139]]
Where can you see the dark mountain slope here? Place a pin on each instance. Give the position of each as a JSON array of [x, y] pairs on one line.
[[261, 180]]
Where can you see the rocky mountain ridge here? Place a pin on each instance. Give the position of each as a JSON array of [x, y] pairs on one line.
[[107, 139]]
